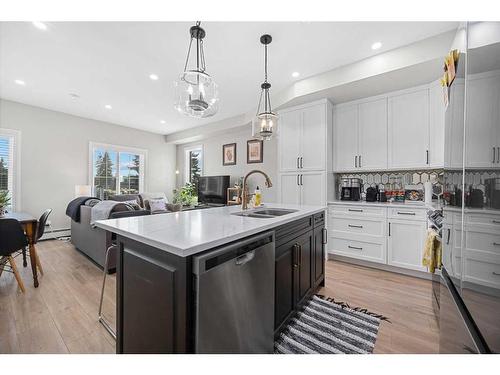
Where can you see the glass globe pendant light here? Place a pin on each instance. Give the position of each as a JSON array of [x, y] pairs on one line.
[[195, 90], [266, 120]]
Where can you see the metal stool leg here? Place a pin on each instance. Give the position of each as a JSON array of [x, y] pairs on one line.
[[102, 320]]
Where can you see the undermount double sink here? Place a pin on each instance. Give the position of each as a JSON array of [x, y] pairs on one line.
[[265, 213]]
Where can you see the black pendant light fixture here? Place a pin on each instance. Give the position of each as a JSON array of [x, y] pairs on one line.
[[266, 119], [195, 90]]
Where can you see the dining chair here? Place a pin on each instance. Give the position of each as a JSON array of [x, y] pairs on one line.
[[40, 230], [13, 240], [113, 250]]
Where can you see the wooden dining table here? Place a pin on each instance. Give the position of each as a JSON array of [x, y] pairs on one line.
[[29, 224]]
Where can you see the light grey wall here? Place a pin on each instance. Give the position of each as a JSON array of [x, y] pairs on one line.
[[212, 160], [55, 156]]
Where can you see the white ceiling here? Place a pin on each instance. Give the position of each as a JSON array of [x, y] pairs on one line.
[[110, 63]]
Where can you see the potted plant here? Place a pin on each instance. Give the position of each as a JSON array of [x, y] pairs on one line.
[[4, 201], [186, 195]]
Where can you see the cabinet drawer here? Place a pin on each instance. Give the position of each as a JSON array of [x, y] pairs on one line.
[[482, 271], [367, 226], [374, 252], [488, 222], [483, 242], [407, 213], [356, 211]]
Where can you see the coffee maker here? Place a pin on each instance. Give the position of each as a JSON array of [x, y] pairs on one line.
[[492, 192], [351, 189]]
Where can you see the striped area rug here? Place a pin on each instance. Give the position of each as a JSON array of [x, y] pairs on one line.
[[325, 327]]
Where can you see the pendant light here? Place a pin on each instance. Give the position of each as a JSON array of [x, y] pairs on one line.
[[267, 119], [195, 90]]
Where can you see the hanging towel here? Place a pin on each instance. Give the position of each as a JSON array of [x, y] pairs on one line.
[[432, 251]]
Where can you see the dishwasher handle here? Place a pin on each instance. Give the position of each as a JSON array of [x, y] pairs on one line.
[[245, 258]]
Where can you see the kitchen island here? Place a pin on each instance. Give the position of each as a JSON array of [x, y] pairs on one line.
[[165, 274]]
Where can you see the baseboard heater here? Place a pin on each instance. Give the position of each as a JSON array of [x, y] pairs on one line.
[[53, 234]]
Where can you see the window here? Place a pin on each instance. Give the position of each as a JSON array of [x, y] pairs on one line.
[[116, 170], [9, 165], [193, 163]]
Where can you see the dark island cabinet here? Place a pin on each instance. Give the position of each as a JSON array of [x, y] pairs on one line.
[[299, 267], [155, 304]]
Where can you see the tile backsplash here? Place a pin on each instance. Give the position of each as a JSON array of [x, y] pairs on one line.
[[371, 179]]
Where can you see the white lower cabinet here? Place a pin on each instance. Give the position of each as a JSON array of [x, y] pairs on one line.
[[386, 235], [405, 244]]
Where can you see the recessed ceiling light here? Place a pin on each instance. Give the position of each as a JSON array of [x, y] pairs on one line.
[[162, 121], [376, 45], [40, 25], [20, 82], [295, 74], [107, 106], [154, 77]]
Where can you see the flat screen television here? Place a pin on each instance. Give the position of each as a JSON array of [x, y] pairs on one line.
[[213, 189]]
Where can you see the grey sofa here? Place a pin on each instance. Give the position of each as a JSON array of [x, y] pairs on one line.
[[93, 242]]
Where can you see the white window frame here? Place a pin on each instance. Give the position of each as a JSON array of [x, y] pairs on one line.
[[187, 163], [118, 148], [15, 170]]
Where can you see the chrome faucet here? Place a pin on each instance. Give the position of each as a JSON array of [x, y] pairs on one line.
[[244, 203]]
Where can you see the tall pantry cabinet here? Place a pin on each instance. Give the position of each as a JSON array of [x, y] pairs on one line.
[[305, 153]]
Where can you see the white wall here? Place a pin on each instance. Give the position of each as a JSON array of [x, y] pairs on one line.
[[212, 160], [55, 156]]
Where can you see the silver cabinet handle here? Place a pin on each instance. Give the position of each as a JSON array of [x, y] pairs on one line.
[[356, 161], [427, 157], [448, 240], [496, 273], [494, 156], [301, 183], [495, 221], [498, 154], [496, 244], [360, 161], [354, 247], [301, 160], [389, 229], [325, 236], [354, 210], [298, 166], [406, 213], [298, 180], [355, 226]]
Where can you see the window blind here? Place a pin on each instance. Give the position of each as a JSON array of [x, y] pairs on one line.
[[8, 163]]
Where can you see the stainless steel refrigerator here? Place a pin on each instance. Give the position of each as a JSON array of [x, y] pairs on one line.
[[469, 292]]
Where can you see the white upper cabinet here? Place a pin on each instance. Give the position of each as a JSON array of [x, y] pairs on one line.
[[483, 148], [436, 126], [409, 130], [454, 140], [313, 138], [345, 137], [372, 135], [290, 125], [303, 138]]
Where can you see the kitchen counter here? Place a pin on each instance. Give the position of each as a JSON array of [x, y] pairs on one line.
[[187, 233], [385, 204]]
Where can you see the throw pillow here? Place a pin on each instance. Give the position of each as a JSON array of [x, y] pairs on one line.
[[133, 203], [157, 204]]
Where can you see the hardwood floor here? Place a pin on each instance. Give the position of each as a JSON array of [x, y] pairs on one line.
[[61, 315]]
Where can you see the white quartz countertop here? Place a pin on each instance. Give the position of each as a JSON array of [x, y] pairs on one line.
[[384, 204], [189, 232]]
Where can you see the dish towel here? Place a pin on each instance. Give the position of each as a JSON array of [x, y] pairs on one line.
[[432, 251]]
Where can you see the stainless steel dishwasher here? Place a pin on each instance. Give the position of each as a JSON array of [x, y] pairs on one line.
[[234, 297]]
